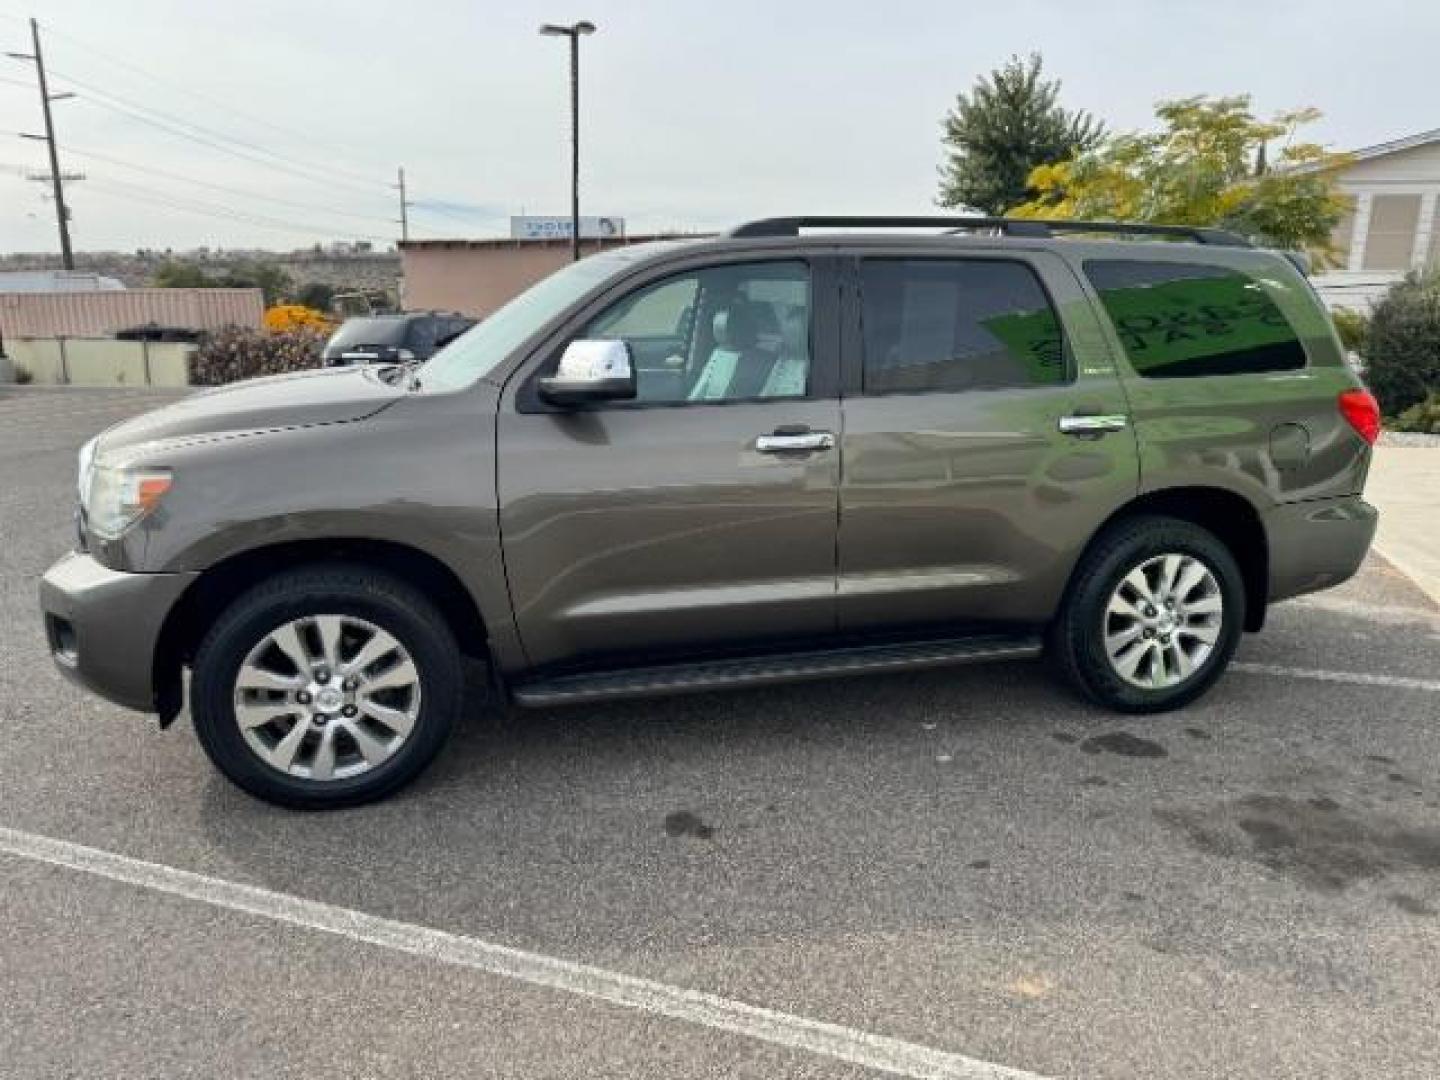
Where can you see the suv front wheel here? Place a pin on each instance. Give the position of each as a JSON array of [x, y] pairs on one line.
[[326, 686], [1152, 617]]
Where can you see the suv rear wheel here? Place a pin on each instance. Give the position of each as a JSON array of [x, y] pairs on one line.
[[326, 686], [1153, 615]]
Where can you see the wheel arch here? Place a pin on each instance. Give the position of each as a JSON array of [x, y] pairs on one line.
[[221, 584], [1231, 517]]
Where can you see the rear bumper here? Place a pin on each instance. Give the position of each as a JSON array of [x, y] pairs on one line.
[[103, 626], [1315, 545]]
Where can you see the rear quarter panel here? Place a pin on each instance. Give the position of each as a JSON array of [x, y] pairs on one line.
[[1274, 437]]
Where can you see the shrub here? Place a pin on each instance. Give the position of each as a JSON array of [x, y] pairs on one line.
[[283, 318], [23, 376], [232, 353], [1402, 348], [1423, 417]]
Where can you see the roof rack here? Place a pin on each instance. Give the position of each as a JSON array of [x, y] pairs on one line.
[[1019, 227]]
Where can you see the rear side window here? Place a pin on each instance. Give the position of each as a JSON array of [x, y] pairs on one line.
[[1182, 320], [957, 324]]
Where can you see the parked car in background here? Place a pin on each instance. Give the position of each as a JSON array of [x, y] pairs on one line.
[[387, 339], [723, 462]]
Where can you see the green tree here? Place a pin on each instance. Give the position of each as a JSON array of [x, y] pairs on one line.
[[1209, 164], [275, 283], [316, 295], [179, 274], [1010, 122]]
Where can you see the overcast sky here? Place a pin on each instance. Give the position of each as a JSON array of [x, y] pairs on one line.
[[694, 114]]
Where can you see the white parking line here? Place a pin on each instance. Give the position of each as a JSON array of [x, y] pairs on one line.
[[1359, 678], [692, 1006], [1388, 614]]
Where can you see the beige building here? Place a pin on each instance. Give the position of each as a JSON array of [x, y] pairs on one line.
[[474, 277], [1394, 226]]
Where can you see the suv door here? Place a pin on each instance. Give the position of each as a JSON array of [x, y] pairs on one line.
[[703, 512], [986, 437]]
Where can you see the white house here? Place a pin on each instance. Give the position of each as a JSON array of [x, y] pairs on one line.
[[1394, 226]]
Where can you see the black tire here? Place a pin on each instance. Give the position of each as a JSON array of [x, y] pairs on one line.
[[1077, 636], [342, 589]]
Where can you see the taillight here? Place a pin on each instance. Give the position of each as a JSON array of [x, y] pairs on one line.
[[1361, 412]]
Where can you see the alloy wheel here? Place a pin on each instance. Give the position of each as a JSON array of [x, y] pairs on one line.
[[1163, 621], [327, 697]]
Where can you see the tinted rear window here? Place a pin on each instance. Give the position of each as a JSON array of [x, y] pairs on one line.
[[1182, 320]]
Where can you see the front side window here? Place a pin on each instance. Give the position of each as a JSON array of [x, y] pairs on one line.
[[957, 324], [726, 333], [1183, 320], [475, 354]]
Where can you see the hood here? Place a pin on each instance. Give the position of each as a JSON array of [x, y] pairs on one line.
[[327, 396]]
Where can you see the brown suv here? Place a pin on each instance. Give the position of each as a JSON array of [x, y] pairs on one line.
[[776, 454]]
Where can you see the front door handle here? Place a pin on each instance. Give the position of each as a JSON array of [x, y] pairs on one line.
[[783, 442], [1096, 424]]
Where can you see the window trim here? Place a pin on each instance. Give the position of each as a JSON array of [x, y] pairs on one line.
[[823, 383], [1126, 365], [855, 324]]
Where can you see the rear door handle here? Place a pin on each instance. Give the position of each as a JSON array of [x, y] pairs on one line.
[[790, 442], [1096, 424]]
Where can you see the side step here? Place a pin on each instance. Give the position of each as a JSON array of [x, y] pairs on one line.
[[776, 668]]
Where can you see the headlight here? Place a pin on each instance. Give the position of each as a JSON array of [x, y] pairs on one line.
[[87, 459], [116, 498]]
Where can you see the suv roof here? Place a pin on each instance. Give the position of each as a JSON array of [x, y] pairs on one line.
[[1031, 228], [865, 231]]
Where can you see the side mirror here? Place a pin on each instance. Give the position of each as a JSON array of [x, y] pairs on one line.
[[591, 371]]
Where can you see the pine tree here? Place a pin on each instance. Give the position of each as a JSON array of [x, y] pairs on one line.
[[1010, 122]]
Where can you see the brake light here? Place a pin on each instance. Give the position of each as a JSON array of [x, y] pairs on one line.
[[1361, 412]]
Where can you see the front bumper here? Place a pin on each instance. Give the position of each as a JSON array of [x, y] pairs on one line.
[[1318, 544], [103, 626]]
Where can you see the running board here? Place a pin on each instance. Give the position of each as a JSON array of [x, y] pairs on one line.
[[779, 668]]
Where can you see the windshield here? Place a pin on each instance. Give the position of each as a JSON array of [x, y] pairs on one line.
[[476, 353], [368, 332]]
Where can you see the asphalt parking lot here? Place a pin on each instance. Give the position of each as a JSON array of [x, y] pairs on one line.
[[951, 869]]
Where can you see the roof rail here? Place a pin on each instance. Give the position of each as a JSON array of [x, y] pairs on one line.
[[1021, 227]]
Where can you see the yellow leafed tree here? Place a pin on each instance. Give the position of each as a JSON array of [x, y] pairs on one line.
[[1207, 165]]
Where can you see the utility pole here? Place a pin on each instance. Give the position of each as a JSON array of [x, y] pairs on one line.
[[62, 212], [404, 206]]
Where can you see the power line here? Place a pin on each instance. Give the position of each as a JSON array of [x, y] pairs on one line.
[[190, 91], [136, 193], [208, 137], [240, 148], [293, 204]]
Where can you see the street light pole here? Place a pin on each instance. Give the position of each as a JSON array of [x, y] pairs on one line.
[[573, 32], [67, 257]]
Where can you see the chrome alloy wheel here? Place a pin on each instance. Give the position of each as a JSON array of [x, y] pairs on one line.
[[327, 697], [1163, 621]]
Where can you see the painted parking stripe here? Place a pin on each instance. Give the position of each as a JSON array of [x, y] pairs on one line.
[[878, 1052], [1358, 678], [1389, 614]]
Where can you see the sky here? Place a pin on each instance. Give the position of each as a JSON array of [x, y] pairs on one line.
[[281, 124]]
